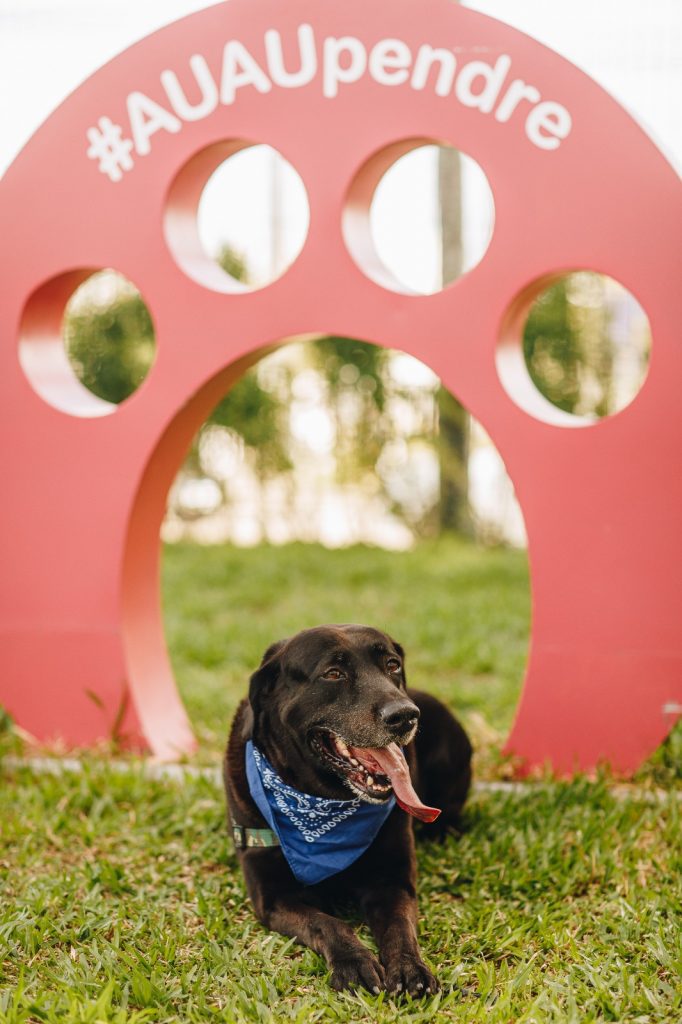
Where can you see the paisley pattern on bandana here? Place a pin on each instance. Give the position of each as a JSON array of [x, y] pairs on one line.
[[319, 837], [313, 816]]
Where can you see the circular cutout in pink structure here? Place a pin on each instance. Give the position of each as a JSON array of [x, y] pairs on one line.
[[366, 193], [607, 325], [182, 215], [44, 351], [577, 184]]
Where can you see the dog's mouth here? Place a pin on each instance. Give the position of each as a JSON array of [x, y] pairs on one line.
[[361, 774], [372, 773]]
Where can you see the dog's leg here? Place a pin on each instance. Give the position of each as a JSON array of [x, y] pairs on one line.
[[391, 912], [351, 963], [386, 886]]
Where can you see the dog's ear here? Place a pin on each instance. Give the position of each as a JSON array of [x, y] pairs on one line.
[[266, 674]]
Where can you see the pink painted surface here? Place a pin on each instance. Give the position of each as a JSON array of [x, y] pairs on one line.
[[84, 486]]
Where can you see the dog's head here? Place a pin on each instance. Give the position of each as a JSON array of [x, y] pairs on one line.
[[330, 712]]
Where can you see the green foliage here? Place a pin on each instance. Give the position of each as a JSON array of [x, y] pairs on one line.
[[347, 362], [259, 419], [111, 347], [253, 413], [110, 343], [567, 347], [233, 263], [551, 347], [353, 373], [360, 393]]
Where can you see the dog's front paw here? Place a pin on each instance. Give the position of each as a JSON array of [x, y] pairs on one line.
[[359, 970], [409, 974]]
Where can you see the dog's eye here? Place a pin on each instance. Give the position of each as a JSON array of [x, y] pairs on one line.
[[334, 674], [393, 665]]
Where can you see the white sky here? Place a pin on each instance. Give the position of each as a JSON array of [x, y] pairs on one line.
[[47, 47]]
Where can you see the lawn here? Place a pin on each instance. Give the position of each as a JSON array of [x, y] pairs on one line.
[[461, 612], [121, 901]]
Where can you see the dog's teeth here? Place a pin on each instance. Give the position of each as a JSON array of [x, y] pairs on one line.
[[341, 747], [370, 780], [354, 761]]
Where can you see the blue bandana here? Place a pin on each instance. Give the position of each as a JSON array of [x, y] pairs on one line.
[[308, 826]]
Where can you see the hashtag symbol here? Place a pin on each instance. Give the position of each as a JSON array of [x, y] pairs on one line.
[[107, 146]]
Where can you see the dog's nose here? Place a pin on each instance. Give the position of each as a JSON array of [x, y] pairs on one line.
[[400, 716]]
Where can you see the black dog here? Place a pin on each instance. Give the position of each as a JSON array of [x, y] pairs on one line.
[[329, 718]]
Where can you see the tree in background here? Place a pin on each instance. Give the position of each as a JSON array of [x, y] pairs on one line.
[[252, 414], [453, 419], [233, 263], [109, 338], [567, 347], [354, 376], [453, 451], [379, 423], [110, 341]]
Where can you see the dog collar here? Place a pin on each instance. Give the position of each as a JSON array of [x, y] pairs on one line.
[[318, 837], [246, 838]]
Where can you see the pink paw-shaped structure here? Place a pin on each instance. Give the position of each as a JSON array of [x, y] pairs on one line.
[[340, 88]]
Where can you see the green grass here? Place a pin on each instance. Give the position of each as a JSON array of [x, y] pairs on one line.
[[122, 902], [461, 612], [120, 898]]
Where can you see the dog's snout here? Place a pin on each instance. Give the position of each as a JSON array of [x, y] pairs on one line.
[[400, 716]]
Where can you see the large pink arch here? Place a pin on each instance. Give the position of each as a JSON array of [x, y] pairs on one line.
[[85, 485]]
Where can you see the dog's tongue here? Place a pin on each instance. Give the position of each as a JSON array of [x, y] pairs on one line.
[[391, 761]]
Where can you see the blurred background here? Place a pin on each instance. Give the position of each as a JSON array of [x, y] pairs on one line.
[[339, 481]]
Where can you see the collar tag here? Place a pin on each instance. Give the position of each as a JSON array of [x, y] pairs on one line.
[[246, 838]]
